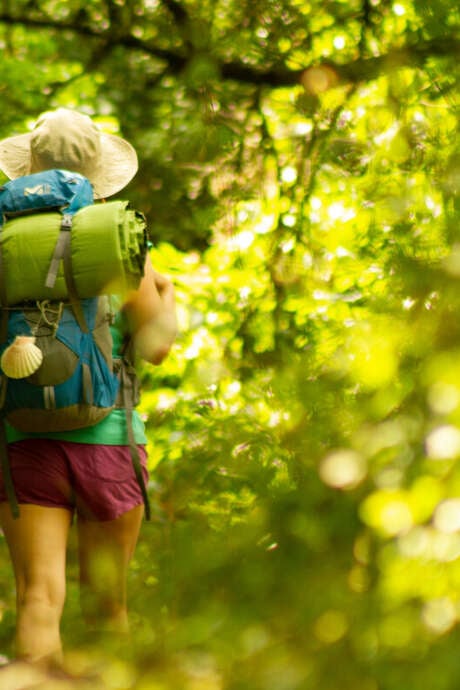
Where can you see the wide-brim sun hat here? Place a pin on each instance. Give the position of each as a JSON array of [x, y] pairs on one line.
[[70, 140]]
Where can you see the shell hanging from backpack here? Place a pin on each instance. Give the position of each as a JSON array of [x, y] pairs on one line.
[[22, 358]]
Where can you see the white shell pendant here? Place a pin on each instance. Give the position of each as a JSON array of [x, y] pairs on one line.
[[21, 358]]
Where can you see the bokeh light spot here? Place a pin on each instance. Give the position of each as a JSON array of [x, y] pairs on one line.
[[343, 469], [447, 516], [331, 626], [443, 442], [317, 80]]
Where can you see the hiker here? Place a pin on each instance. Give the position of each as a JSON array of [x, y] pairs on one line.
[[85, 472]]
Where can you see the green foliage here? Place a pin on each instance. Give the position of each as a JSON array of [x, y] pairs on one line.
[[299, 168]]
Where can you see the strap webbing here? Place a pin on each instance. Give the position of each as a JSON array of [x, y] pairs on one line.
[[87, 384], [58, 254], [3, 296], [75, 302], [6, 471], [134, 452], [62, 252], [4, 461]]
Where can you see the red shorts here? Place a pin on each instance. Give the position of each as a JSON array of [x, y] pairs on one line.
[[97, 481]]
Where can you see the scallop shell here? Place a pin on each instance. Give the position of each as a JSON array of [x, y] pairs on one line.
[[21, 358]]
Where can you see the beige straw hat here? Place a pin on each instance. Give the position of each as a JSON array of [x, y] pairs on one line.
[[69, 140]]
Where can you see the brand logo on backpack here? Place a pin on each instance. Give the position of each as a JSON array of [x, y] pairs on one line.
[[39, 189]]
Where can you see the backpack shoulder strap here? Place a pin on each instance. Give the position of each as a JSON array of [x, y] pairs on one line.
[[127, 402], [6, 471], [70, 283], [3, 296]]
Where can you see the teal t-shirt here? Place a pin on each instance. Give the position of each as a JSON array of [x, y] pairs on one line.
[[112, 430]]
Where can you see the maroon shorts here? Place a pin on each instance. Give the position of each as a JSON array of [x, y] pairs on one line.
[[97, 481]]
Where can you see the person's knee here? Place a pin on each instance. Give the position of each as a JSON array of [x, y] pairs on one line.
[[47, 595]]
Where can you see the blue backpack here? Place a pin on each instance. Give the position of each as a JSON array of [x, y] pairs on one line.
[[58, 190], [52, 190], [56, 367], [55, 376], [74, 385]]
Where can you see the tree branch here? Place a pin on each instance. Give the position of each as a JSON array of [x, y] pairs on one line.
[[176, 61], [182, 21], [361, 69], [176, 9]]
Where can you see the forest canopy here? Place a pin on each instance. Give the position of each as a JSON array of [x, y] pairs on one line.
[[300, 172]]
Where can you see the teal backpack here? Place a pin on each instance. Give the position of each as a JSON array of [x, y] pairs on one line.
[[56, 366]]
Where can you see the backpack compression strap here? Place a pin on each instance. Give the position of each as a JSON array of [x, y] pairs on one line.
[[60, 249], [62, 252]]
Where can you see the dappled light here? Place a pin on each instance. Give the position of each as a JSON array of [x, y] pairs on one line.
[[299, 172]]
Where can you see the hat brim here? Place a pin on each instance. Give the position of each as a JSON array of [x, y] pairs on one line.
[[117, 165]]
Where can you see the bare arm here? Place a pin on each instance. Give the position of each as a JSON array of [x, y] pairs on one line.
[[151, 315]]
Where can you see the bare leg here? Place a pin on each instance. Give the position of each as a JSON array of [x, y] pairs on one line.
[[37, 543], [105, 550]]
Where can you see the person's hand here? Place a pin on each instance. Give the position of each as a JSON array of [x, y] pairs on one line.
[[165, 290]]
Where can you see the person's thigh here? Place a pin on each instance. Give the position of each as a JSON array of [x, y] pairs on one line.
[[40, 474], [105, 550], [37, 542]]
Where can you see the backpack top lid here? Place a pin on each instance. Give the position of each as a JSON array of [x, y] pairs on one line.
[[50, 190]]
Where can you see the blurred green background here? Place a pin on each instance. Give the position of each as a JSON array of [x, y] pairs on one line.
[[300, 171]]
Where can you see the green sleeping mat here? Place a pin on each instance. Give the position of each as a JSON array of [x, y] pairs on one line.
[[108, 249]]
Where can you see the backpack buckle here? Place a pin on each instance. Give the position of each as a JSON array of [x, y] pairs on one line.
[[66, 223]]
